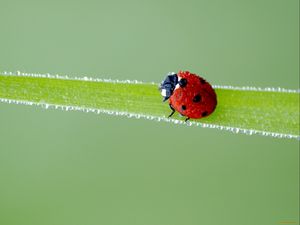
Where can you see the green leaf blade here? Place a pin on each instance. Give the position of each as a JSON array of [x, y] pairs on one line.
[[263, 111]]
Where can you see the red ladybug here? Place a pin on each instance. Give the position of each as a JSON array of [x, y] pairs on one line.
[[189, 94]]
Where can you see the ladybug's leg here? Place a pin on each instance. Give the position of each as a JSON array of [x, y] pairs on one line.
[[173, 111], [186, 119]]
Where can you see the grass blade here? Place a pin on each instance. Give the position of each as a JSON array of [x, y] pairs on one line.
[[270, 112]]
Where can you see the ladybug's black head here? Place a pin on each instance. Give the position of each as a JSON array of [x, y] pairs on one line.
[[168, 85]]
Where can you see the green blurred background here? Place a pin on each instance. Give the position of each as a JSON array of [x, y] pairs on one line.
[[61, 168]]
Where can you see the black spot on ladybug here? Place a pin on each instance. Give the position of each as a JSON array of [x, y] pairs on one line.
[[182, 82], [183, 107], [202, 81], [197, 98], [204, 114]]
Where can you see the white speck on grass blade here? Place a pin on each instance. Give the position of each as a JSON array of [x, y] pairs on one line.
[[85, 78], [150, 117]]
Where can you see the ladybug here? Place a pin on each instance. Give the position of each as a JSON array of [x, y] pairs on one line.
[[188, 94]]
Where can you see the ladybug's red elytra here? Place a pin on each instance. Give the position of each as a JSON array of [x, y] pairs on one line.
[[188, 94]]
